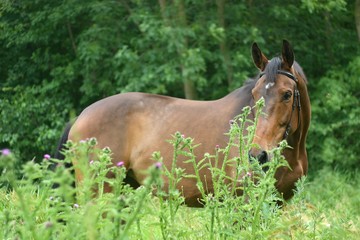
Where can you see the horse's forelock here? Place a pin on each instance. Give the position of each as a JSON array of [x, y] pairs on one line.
[[270, 72], [271, 69]]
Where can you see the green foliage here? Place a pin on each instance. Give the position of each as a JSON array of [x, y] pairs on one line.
[[336, 122], [68, 54], [329, 5], [32, 116], [33, 209]]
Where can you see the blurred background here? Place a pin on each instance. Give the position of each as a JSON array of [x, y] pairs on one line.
[[59, 56]]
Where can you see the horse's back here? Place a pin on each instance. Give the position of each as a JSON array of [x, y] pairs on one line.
[[114, 121], [134, 125]]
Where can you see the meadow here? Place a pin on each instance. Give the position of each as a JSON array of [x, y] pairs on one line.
[[326, 204], [324, 207]]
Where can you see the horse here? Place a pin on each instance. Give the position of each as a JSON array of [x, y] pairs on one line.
[[134, 125]]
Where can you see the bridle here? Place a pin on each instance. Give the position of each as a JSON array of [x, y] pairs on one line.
[[296, 101]]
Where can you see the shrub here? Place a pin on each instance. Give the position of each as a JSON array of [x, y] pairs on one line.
[[31, 119], [335, 128]]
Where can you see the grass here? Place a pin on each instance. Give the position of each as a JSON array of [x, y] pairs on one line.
[[325, 207]]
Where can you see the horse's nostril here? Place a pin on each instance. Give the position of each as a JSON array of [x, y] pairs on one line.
[[263, 157]]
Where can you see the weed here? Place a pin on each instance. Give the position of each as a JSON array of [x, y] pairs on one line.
[[240, 205]]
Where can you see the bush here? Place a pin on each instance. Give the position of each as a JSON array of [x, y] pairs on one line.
[[335, 127], [31, 120]]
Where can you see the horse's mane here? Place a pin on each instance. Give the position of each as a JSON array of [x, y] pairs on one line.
[[299, 69], [271, 71]]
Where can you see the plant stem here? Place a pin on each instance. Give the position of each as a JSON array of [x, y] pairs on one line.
[[142, 198], [28, 220]]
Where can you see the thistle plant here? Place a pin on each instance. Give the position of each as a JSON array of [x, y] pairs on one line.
[[241, 204], [243, 200]]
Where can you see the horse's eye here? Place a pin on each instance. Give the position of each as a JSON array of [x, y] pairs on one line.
[[287, 96]]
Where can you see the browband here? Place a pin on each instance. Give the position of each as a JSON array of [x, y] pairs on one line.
[[285, 73]]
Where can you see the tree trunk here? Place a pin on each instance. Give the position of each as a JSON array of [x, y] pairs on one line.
[[223, 46], [189, 86], [357, 17], [179, 20], [162, 4]]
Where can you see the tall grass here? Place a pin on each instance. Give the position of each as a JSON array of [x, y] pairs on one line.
[[30, 208]]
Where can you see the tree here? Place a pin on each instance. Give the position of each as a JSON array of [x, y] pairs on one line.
[[357, 17], [60, 56]]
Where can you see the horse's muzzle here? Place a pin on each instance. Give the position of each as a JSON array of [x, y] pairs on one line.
[[262, 158]]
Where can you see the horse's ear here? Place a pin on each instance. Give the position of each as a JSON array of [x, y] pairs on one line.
[[259, 58], [287, 54]]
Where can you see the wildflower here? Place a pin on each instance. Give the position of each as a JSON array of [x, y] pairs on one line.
[[6, 152], [183, 135], [217, 146], [231, 122], [91, 162], [248, 174], [47, 156], [120, 164], [76, 205], [48, 224], [158, 165], [51, 198]]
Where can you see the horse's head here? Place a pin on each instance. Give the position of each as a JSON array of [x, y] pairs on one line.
[[278, 84]]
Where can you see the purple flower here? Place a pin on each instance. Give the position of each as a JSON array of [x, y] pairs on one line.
[[47, 156], [248, 174], [217, 146], [120, 164], [6, 152], [48, 224], [183, 135], [91, 162], [158, 165]]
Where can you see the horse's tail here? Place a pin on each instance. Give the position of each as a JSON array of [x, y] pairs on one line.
[[61, 145]]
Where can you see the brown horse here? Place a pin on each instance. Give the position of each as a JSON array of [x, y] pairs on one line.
[[134, 125]]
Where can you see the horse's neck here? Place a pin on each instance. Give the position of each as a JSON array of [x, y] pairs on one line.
[[240, 98]]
